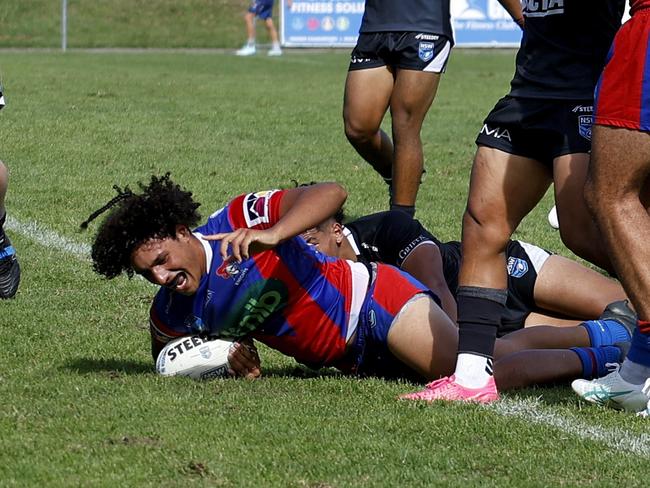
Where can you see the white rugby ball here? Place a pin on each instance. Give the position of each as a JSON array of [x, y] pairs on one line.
[[552, 218], [194, 356]]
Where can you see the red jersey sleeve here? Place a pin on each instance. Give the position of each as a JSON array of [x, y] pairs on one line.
[[259, 210]]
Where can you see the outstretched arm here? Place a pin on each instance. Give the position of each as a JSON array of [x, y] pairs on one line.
[[300, 209]]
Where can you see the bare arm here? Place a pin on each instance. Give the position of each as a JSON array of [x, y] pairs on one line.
[[425, 264], [301, 208], [513, 7]]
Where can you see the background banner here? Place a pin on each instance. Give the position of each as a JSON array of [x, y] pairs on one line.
[[335, 23]]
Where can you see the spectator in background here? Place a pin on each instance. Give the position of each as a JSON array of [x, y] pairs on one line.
[[9, 268], [264, 10]]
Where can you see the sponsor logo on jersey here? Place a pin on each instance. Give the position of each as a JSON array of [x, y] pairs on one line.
[[584, 126], [256, 208], [372, 318], [542, 8], [425, 51], [517, 267], [583, 109], [496, 132], [406, 250], [427, 37]]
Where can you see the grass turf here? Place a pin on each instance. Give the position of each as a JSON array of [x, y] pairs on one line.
[[80, 403]]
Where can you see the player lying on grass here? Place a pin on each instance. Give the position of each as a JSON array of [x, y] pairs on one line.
[[542, 287], [255, 277]]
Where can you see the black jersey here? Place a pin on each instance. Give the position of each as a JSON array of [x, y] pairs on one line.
[[389, 237], [564, 47], [427, 16]]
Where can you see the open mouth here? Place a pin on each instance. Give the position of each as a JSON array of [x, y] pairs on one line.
[[179, 282]]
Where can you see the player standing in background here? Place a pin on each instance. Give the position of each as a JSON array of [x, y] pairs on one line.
[[9, 267], [536, 135], [617, 194], [403, 48], [264, 10]]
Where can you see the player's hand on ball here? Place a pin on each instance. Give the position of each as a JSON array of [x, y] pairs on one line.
[[244, 360]]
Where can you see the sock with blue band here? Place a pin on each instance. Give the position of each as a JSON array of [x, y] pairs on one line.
[[640, 349], [606, 332], [595, 359]]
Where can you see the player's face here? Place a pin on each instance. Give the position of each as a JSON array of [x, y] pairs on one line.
[[176, 262], [325, 238]]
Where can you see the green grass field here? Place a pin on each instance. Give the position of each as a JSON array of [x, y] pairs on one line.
[[80, 404], [125, 23]]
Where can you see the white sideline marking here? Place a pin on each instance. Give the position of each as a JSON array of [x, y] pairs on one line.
[[48, 238], [529, 410], [534, 412]]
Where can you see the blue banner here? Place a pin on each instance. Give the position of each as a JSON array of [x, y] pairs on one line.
[[335, 23], [483, 23], [312, 23]]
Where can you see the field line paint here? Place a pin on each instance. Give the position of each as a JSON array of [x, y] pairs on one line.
[[535, 412], [531, 410], [48, 238]]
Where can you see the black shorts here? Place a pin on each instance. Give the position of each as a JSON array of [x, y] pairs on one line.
[[524, 262], [405, 50], [538, 129]]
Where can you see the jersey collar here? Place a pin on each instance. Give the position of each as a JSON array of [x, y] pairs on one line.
[[348, 235], [206, 248]]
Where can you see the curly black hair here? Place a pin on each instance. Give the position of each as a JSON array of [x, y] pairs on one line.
[[137, 218]]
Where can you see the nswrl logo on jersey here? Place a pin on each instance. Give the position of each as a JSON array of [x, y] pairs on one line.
[[517, 267], [425, 51]]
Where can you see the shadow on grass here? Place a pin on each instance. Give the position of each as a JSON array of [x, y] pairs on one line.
[[112, 367]]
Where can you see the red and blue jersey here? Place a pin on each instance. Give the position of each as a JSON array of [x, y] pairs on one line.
[[292, 298], [623, 91]]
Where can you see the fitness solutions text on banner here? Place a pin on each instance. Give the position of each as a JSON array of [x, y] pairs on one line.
[[335, 23]]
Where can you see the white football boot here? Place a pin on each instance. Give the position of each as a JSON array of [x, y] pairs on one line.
[[613, 391], [275, 51], [247, 50]]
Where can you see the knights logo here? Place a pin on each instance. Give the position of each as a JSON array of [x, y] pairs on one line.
[[584, 126], [228, 269], [517, 267], [425, 51]]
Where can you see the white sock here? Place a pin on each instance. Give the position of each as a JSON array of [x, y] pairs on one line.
[[634, 373], [473, 371], [276, 45], [251, 42]]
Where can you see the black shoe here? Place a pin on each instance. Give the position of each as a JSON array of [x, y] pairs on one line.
[[622, 313], [9, 267]]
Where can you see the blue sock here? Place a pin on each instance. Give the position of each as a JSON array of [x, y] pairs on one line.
[[605, 332], [640, 349], [594, 359]]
